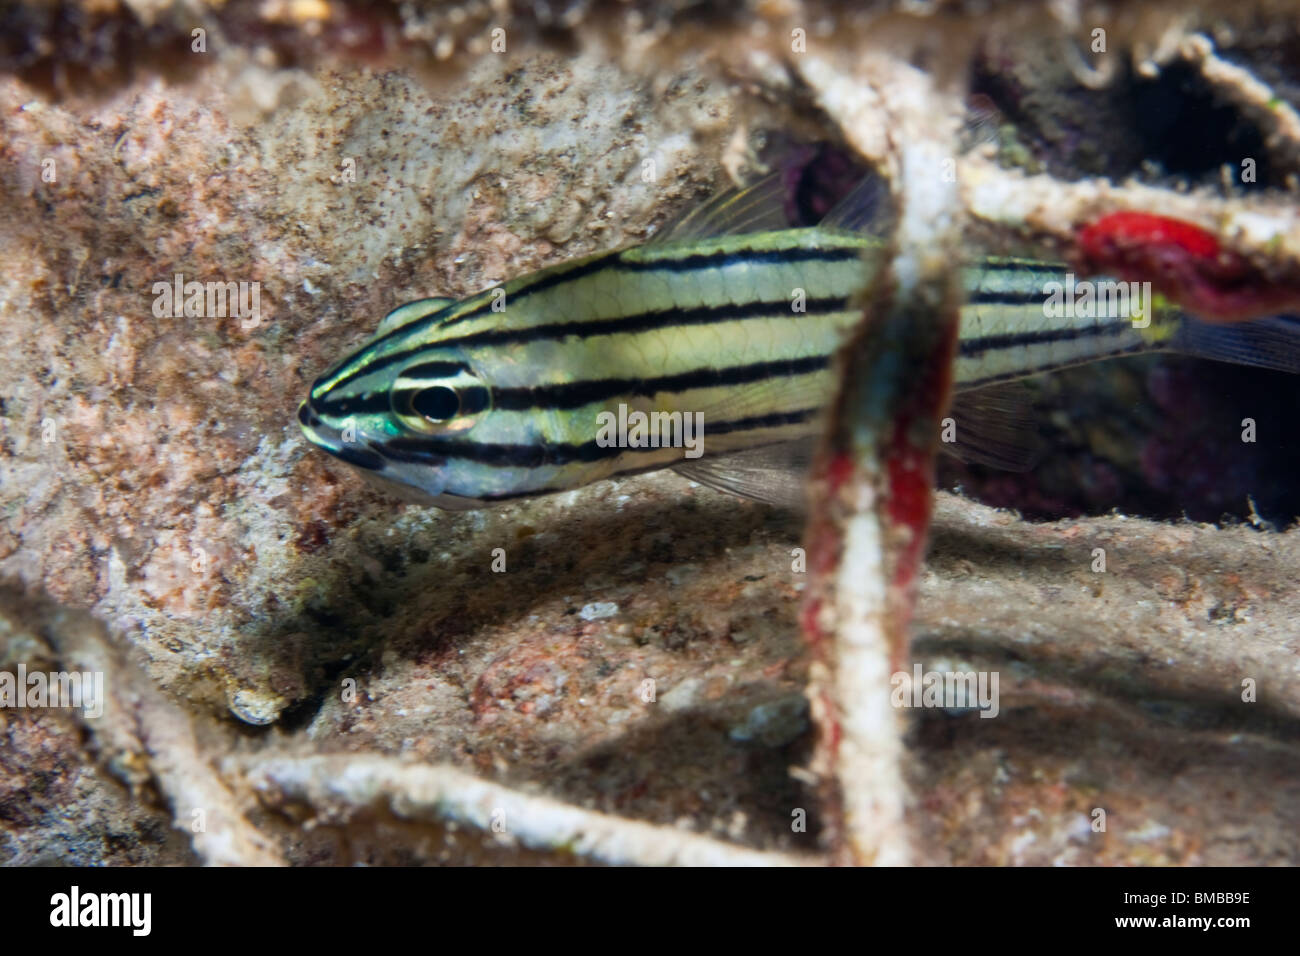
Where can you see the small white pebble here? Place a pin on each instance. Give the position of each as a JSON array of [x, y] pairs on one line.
[[598, 611]]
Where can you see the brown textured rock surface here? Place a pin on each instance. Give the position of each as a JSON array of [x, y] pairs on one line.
[[142, 448]]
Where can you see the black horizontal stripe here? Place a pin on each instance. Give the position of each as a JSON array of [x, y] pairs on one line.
[[569, 395], [559, 275], [630, 324], [623, 262], [1044, 272], [705, 315], [432, 369], [435, 371], [1006, 297], [1043, 369], [412, 325], [978, 346], [435, 450], [345, 451], [672, 317], [1015, 264], [473, 398], [369, 403], [756, 422], [377, 402], [358, 456]]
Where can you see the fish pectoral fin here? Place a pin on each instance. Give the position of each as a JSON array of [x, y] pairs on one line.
[[795, 387], [759, 207], [994, 426], [772, 474], [419, 309]]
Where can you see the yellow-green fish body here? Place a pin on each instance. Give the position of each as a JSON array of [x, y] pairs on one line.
[[513, 392]]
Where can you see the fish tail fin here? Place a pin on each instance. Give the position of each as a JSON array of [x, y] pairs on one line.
[[1262, 343]]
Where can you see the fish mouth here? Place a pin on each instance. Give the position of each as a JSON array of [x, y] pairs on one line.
[[328, 438], [406, 477]]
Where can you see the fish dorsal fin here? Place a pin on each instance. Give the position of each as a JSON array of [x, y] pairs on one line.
[[756, 208], [983, 120], [773, 474], [761, 207], [995, 426], [404, 314], [867, 208]]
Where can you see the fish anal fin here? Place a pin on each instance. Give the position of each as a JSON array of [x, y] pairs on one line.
[[994, 426]]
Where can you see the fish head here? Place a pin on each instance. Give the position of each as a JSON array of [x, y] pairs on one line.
[[400, 416]]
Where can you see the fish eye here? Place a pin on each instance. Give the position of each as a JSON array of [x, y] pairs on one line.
[[436, 404], [438, 396]]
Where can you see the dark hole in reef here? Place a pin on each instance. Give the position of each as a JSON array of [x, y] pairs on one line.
[[1190, 132]]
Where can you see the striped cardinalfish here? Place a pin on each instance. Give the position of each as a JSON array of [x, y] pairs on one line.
[[614, 364]]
